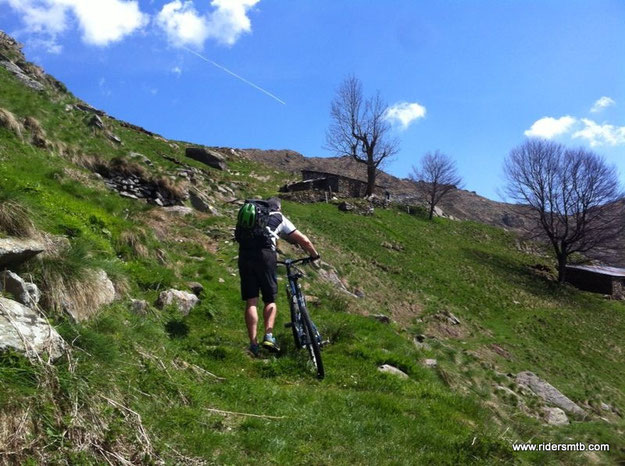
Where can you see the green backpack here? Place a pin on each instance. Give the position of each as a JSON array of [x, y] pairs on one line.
[[251, 231]]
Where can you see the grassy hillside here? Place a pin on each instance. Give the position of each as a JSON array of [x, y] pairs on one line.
[[144, 388]]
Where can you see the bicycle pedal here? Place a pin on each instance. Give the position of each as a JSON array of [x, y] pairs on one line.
[[288, 325]]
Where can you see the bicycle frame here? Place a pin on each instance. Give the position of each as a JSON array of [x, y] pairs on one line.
[[305, 332]]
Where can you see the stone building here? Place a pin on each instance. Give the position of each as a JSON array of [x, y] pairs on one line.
[[332, 183], [599, 279]]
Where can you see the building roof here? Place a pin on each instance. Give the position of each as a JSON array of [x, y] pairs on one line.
[[601, 270]]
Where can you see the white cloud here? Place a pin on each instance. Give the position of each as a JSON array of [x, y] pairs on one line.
[[106, 21], [600, 135], [101, 22], [405, 113], [230, 20], [177, 70], [185, 26], [602, 103], [182, 24], [548, 127]]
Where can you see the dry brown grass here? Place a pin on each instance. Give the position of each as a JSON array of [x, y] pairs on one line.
[[37, 134], [15, 219], [178, 191], [127, 167], [8, 120], [135, 240]]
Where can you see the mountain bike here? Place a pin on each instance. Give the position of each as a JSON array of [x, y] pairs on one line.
[[305, 332]]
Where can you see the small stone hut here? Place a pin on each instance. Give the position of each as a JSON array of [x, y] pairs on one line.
[[599, 279], [333, 183]]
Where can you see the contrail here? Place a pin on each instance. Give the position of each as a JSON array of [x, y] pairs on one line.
[[235, 75]]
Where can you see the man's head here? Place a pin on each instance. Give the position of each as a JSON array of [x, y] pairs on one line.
[[275, 204]]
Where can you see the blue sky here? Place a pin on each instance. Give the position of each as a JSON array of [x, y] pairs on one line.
[[470, 78]]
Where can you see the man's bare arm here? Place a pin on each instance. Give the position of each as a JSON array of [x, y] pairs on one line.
[[299, 238]]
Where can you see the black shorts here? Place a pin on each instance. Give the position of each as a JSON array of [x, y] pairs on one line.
[[257, 270]]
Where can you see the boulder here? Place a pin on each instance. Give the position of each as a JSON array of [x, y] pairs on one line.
[[183, 300], [431, 363], [207, 156], [548, 392], [24, 330], [15, 251], [23, 292], [555, 416], [388, 369], [200, 201]]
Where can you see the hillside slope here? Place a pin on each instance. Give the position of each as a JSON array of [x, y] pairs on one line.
[[147, 384]]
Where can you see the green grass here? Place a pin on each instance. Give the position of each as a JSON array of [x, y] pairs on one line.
[[158, 365]]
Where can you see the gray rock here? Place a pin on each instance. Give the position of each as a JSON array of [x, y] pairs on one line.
[[116, 139], [179, 210], [447, 316], [388, 369], [200, 201], [548, 392], [419, 342], [345, 207], [332, 277], [183, 300], [555, 416], [359, 293], [139, 306], [25, 331], [23, 292], [381, 318], [431, 363], [605, 406], [21, 75], [196, 287], [15, 251], [96, 122], [206, 156]]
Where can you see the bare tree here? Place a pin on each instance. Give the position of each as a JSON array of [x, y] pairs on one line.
[[359, 129], [570, 193], [436, 176]]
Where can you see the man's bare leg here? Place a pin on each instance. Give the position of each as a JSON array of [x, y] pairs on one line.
[[251, 319], [269, 315]]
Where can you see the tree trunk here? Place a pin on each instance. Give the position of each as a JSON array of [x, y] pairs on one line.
[[431, 211], [562, 261], [370, 180]]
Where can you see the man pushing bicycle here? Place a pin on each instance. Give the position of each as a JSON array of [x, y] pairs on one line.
[[259, 225]]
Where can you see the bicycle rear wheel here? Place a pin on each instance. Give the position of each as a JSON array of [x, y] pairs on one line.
[[312, 343]]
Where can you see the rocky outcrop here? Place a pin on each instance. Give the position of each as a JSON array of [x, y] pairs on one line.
[[25, 331], [15, 251], [182, 300], [207, 156], [548, 392], [20, 74], [23, 292]]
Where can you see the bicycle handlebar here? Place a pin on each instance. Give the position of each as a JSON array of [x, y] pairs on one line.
[[304, 260]]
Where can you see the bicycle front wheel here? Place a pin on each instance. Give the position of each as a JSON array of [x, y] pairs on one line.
[[312, 344]]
